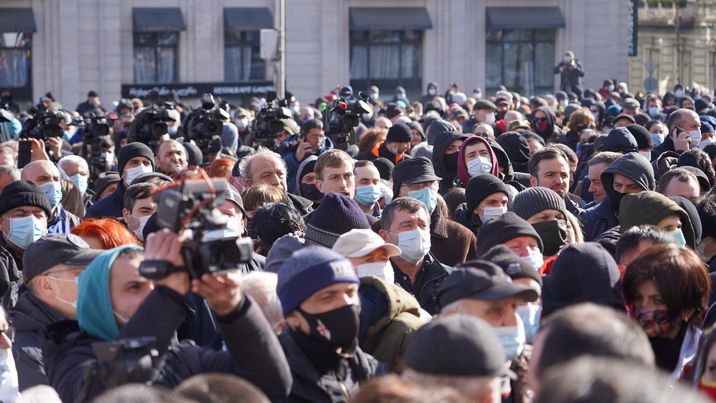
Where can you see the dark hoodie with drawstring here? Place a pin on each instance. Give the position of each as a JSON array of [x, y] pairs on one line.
[[448, 174], [603, 216], [620, 140], [517, 148], [518, 180]]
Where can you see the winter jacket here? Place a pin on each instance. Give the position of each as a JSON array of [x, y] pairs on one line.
[[388, 317], [253, 351], [110, 206], [462, 172], [380, 150], [517, 149], [450, 242], [603, 216], [303, 205], [620, 140], [289, 157], [548, 131], [442, 142], [427, 282], [299, 171], [10, 275], [570, 79], [310, 386], [517, 180], [29, 318]]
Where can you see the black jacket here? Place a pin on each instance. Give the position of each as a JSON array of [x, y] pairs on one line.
[[303, 205], [427, 282], [570, 79], [442, 142], [310, 386], [10, 275], [29, 318], [254, 352], [110, 206]]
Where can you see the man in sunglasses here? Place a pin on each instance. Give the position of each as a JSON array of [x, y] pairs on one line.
[[51, 266]]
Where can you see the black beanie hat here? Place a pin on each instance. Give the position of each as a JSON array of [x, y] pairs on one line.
[[642, 136], [385, 167], [399, 133], [513, 265], [336, 215], [105, 179], [502, 229], [537, 199], [481, 186], [132, 150], [193, 154], [23, 193]]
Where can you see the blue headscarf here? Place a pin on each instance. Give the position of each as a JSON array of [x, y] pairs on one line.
[[95, 314]]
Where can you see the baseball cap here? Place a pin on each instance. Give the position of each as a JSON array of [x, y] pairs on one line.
[[53, 249], [360, 242], [483, 280]]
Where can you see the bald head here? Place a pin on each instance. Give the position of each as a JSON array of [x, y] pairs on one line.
[[684, 119], [40, 172], [171, 157]]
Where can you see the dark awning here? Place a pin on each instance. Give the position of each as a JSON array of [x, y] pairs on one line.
[[525, 18], [158, 19], [393, 18], [17, 20], [247, 19]]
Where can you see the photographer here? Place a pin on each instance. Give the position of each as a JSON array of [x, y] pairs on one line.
[[116, 303], [571, 73], [311, 141]]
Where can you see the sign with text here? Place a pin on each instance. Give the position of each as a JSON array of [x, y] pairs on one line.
[[194, 90]]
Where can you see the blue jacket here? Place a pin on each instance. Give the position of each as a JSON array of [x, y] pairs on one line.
[[287, 150], [110, 206], [598, 219]]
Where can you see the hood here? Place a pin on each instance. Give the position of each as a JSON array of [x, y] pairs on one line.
[[517, 148], [462, 165], [398, 301], [437, 127], [504, 162], [442, 142], [32, 315], [634, 167], [300, 169], [549, 131], [620, 140], [664, 163], [649, 208], [582, 273]]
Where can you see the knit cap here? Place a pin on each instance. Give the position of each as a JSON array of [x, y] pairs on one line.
[[535, 200], [132, 150], [336, 215], [23, 193], [309, 270], [649, 208], [480, 187], [399, 133], [502, 229]]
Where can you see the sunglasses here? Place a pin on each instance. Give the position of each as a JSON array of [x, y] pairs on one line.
[[540, 119]]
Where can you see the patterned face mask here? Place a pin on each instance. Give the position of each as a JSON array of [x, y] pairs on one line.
[[656, 322]]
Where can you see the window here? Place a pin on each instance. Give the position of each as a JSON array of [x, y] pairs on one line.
[[155, 57], [15, 60], [520, 59], [387, 59], [242, 56]]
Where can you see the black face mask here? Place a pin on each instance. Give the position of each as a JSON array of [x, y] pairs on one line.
[[311, 192], [337, 328], [553, 234], [450, 161], [615, 199], [500, 115]]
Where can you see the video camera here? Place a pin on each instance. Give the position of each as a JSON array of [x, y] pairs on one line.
[[150, 124], [125, 361], [206, 124], [45, 123], [96, 140], [343, 116], [268, 120], [192, 204]]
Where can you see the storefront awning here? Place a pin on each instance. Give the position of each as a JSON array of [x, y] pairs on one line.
[[247, 19], [391, 18], [17, 20], [158, 19], [525, 18]]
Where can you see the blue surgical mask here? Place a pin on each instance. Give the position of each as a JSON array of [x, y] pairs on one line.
[[172, 130], [26, 230], [654, 112], [656, 138], [530, 315], [428, 196], [80, 182], [512, 339], [53, 191], [368, 195], [679, 237]]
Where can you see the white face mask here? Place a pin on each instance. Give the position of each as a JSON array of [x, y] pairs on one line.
[[382, 270], [512, 339], [142, 223], [490, 118], [9, 387], [646, 154], [703, 144], [108, 158], [242, 123], [695, 136], [530, 315], [479, 165], [492, 213], [536, 260], [414, 244], [132, 173]]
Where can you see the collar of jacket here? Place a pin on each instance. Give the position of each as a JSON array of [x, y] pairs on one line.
[[437, 224]]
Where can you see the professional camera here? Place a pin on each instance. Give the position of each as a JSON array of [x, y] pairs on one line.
[[45, 123], [96, 142], [343, 116], [150, 124], [125, 361], [206, 124], [192, 204], [268, 120]]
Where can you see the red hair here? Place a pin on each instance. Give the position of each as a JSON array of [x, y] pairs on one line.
[[110, 232], [220, 168]]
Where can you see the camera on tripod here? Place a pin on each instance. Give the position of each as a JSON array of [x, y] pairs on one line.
[[150, 124], [344, 115], [45, 123], [96, 142], [268, 120], [205, 125], [192, 204]]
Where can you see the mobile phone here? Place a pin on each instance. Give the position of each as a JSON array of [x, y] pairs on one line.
[[24, 153]]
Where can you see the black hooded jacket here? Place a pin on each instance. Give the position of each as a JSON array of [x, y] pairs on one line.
[[603, 216], [442, 142], [517, 149], [518, 180], [620, 140], [546, 134]]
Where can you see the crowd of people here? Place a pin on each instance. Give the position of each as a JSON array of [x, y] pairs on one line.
[[459, 248]]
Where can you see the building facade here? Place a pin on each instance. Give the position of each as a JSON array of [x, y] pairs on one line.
[[676, 45], [123, 48]]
